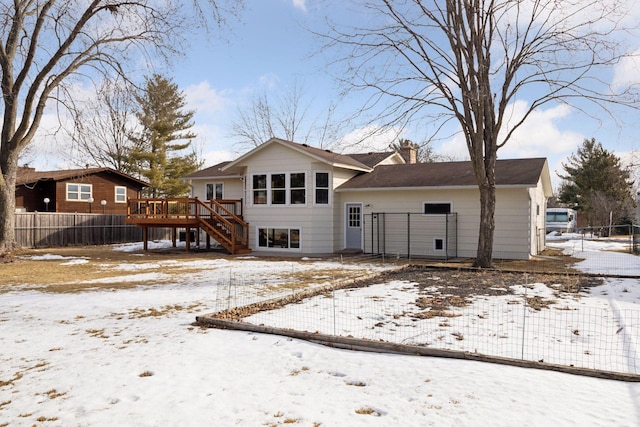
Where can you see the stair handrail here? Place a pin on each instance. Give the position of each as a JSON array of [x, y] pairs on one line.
[[235, 217], [231, 224]]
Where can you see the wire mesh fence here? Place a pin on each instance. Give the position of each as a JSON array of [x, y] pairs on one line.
[[614, 254], [530, 323]]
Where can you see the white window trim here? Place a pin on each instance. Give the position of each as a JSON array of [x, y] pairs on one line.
[[214, 184], [444, 244], [287, 188], [437, 202], [79, 199], [115, 194], [288, 228], [329, 189]]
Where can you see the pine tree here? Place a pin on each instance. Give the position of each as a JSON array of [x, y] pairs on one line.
[[597, 184], [159, 148]]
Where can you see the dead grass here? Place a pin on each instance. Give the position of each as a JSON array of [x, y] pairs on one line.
[[297, 280], [16, 377], [58, 276], [367, 411], [54, 394], [139, 313], [61, 276]]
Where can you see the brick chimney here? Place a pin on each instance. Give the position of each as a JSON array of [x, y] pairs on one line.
[[408, 151]]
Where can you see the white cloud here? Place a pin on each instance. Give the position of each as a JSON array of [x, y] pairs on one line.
[[454, 149], [205, 99], [364, 139], [300, 4], [269, 80], [213, 157], [626, 72], [540, 135]]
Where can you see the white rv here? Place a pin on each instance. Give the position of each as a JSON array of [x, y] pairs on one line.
[[562, 220]]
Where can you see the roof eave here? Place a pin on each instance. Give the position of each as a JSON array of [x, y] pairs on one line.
[[298, 149], [432, 187], [186, 178]]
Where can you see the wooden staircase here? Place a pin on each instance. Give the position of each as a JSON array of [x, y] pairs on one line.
[[220, 219], [224, 227]]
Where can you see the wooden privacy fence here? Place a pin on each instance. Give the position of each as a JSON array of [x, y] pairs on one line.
[[45, 229]]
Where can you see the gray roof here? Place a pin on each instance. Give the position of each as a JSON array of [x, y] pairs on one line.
[[372, 159], [214, 172], [327, 156], [30, 175], [509, 172]]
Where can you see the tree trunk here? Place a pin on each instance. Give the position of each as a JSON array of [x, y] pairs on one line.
[[484, 255], [9, 169]]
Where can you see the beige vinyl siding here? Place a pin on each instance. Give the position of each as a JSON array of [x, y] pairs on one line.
[[391, 160], [538, 209], [233, 188], [340, 176], [512, 238], [316, 223], [512, 232]]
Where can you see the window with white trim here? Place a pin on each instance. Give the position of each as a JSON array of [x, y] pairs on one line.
[[278, 189], [259, 189], [322, 188], [284, 188], [283, 238], [215, 191], [297, 189], [120, 194], [79, 192], [438, 208]]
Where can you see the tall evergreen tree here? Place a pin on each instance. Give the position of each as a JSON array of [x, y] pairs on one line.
[[597, 184], [160, 152]]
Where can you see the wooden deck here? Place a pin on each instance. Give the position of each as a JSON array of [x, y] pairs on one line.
[[220, 219]]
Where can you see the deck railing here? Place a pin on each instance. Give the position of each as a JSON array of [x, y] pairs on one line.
[[221, 219]]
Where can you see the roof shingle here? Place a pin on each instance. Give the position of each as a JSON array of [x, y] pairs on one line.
[[510, 172], [29, 175]]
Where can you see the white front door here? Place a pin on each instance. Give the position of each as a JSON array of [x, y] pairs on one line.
[[353, 226]]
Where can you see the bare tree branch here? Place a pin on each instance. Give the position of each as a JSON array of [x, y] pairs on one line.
[[288, 116], [470, 60], [47, 45]]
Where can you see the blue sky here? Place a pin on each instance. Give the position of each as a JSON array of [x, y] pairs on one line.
[[270, 50]]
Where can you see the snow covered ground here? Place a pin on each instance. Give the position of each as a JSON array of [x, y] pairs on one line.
[[131, 357]]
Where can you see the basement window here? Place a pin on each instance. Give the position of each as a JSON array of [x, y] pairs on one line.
[[439, 208], [283, 238]]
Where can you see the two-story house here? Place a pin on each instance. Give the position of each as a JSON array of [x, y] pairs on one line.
[[302, 199]]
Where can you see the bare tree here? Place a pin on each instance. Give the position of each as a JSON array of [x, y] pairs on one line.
[[50, 44], [464, 63], [287, 116], [101, 133]]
